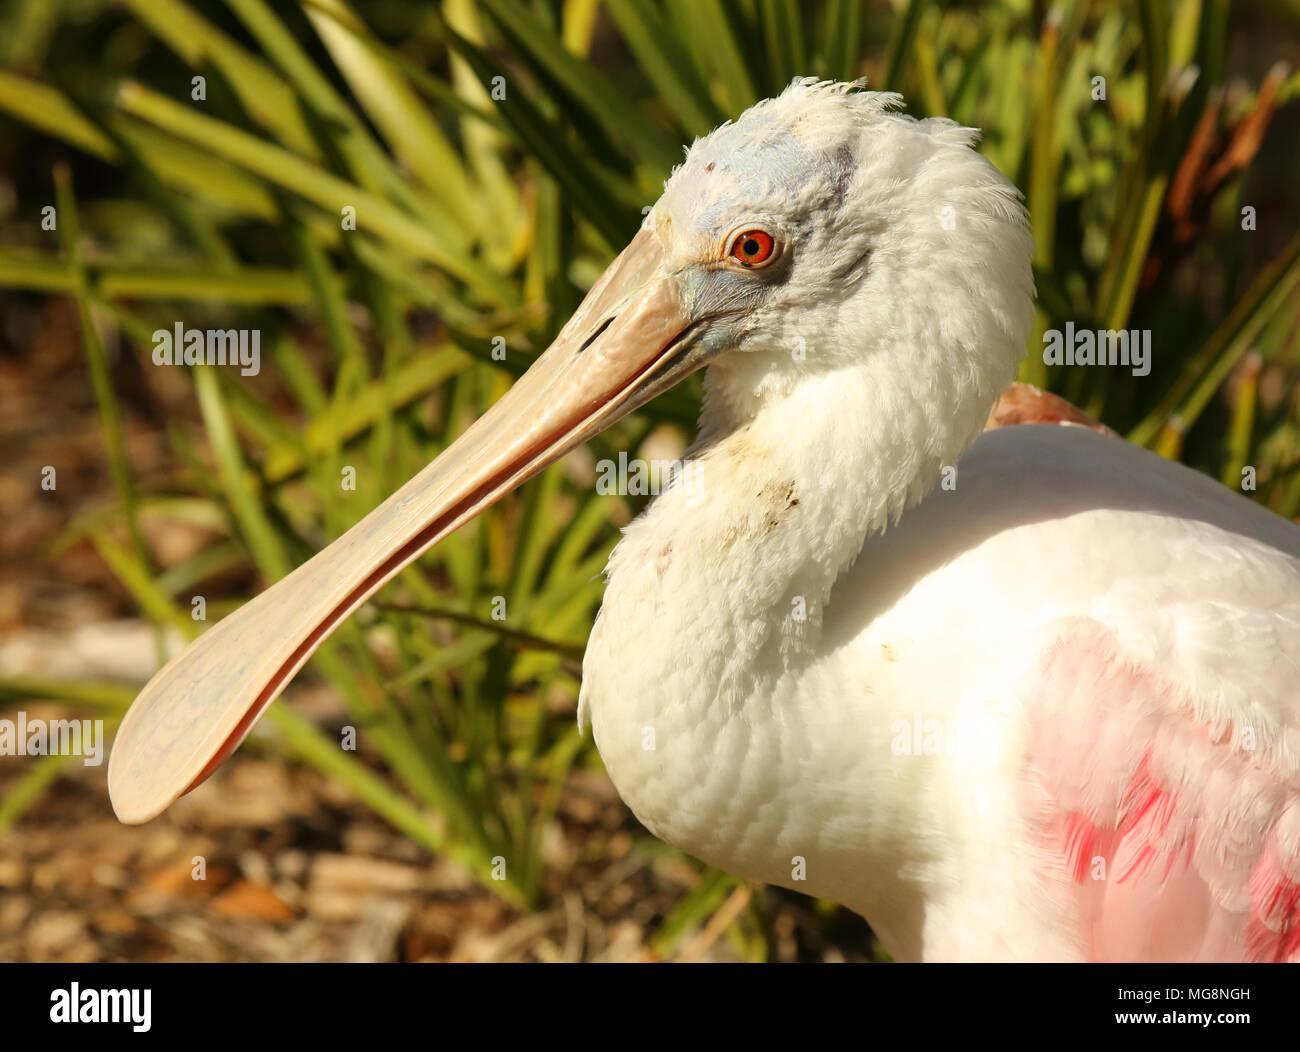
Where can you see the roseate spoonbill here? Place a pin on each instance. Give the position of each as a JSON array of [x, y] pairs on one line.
[[1049, 710]]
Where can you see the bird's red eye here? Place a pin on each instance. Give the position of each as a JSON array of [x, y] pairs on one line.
[[753, 248]]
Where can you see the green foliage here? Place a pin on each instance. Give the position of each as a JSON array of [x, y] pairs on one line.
[[481, 217]]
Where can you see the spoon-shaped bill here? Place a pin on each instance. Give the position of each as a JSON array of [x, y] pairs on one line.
[[631, 338]]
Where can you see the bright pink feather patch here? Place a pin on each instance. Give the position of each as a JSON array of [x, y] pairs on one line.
[[1161, 838]]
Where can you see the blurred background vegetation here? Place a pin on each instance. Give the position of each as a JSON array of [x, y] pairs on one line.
[[497, 154]]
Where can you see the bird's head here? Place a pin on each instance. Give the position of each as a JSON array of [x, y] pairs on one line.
[[821, 226], [817, 230]]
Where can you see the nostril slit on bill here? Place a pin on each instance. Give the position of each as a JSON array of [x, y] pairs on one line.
[[596, 335]]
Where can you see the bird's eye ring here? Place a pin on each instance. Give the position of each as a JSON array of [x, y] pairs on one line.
[[753, 248]]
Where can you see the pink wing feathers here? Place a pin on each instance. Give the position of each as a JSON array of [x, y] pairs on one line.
[[1166, 831]]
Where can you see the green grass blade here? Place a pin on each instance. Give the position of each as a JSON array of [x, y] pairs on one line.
[[311, 183], [783, 35], [616, 114], [666, 63], [46, 108], [263, 542], [1205, 371], [902, 43], [549, 145], [263, 94], [843, 42]]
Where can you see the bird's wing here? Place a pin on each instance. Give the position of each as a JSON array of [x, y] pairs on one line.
[[1163, 784], [1146, 621]]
